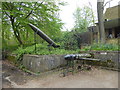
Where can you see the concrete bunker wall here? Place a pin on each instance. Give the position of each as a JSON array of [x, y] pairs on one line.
[[114, 56], [108, 55], [41, 63]]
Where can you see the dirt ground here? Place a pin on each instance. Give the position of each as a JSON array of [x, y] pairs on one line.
[[95, 78]]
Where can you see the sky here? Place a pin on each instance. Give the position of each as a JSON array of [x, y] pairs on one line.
[[66, 13]]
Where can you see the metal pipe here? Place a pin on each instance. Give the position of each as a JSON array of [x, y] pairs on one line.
[[43, 36], [80, 57]]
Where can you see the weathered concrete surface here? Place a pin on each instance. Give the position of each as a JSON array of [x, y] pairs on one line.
[[41, 63], [107, 55]]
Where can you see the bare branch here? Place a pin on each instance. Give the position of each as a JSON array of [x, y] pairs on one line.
[[107, 3], [33, 9], [30, 11], [92, 12], [39, 5], [7, 14], [29, 14]]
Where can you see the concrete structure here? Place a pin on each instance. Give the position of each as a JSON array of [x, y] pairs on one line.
[[94, 33], [112, 13], [41, 63], [113, 56], [111, 24]]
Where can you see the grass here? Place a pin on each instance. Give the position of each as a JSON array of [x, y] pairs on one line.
[[101, 47], [42, 50]]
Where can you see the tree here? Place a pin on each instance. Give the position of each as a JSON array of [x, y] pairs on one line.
[[83, 18], [42, 14], [100, 9], [69, 40]]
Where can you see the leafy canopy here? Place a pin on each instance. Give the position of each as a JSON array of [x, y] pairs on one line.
[[83, 18], [43, 14]]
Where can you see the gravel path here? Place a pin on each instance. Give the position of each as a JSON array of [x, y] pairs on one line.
[[95, 78]]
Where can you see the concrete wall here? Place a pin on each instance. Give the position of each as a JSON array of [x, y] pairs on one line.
[[113, 56], [107, 55], [41, 63]]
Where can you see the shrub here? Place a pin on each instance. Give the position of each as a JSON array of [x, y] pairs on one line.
[[101, 47], [41, 50]]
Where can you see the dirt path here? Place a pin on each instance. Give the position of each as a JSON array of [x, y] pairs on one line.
[[96, 78]]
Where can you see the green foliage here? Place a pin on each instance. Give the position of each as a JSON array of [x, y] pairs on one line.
[[69, 40], [101, 47], [16, 16], [41, 49], [21, 66], [83, 18], [9, 48]]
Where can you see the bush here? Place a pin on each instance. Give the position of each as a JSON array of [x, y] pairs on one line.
[[101, 47], [41, 50]]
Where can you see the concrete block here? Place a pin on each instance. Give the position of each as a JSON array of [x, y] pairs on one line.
[[41, 63]]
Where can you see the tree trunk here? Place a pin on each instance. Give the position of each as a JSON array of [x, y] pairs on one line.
[[101, 21], [17, 35], [16, 32], [3, 36]]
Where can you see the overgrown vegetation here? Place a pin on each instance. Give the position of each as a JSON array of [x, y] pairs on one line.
[[84, 18], [18, 38], [102, 47], [42, 49], [17, 15]]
